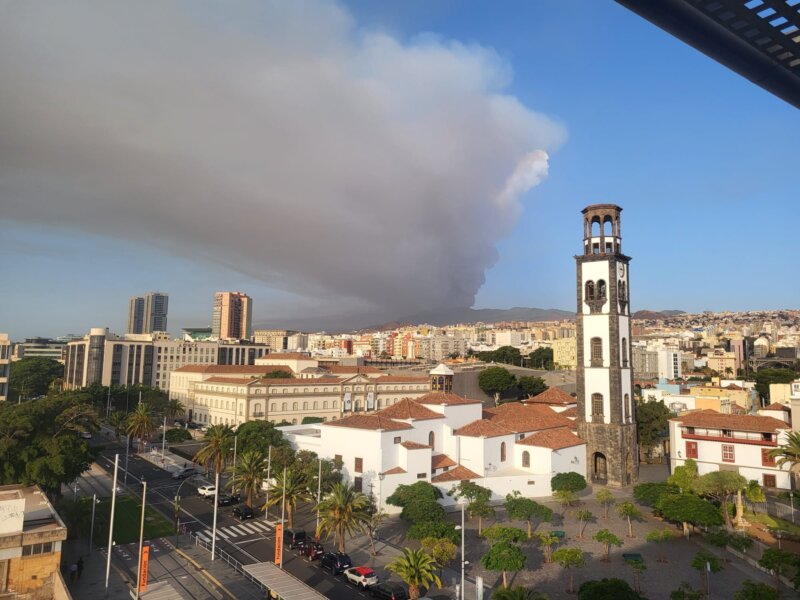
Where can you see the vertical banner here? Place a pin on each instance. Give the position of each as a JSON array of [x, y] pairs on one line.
[[278, 543], [143, 574], [346, 407], [371, 401]]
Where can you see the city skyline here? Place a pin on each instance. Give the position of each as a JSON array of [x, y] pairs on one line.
[[648, 142]]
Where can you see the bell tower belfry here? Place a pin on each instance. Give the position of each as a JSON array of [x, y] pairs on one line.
[[606, 418]]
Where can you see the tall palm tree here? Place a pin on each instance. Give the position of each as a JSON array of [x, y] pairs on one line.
[[117, 420], [417, 569], [295, 490], [140, 423], [174, 409], [789, 454], [217, 445], [342, 512], [249, 474]]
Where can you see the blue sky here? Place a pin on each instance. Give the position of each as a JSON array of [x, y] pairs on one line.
[[699, 158]]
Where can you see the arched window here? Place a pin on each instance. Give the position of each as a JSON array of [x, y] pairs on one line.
[[624, 352], [589, 290], [526, 459], [601, 289], [596, 227], [324, 404], [608, 225], [431, 439], [283, 406], [502, 452], [272, 407], [294, 405], [597, 405], [597, 352], [315, 405], [305, 405]]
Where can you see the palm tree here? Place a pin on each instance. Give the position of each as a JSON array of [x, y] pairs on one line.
[[218, 442], [518, 593], [174, 409], [342, 512], [294, 486], [117, 420], [249, 474], [754, 493], [789, 453], [417, 569], [140, 423]]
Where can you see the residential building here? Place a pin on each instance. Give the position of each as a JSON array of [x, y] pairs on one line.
[[565, 352], [444, 439], [724, 399], [656, 361], [274, 339], [739, 443], [723, 363], [5, 365], [148, 313], [31, 533], [39, 348], [233, 316]]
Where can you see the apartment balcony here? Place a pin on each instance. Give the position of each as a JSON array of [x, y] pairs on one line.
[[734, 439]]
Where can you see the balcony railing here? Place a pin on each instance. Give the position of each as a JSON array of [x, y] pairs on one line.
[[729, 439]]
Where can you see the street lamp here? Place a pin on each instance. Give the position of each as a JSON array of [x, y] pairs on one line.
[[461, 594], [95, 502], [319, 492]]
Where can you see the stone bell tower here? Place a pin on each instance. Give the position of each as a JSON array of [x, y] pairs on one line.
[[606, 418]]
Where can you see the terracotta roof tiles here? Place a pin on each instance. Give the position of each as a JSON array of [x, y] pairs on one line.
[[777, 406], [445, 398], [555, 439], [440, 461], [553, 396], [414, 446], [395, 471], [409, 409], [713, 420], [460, 473], [232, 369], [373, 422]]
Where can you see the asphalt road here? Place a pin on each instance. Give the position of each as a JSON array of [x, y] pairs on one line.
[[197, 514]]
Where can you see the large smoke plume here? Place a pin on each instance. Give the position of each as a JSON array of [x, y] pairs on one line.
[[274, 138]]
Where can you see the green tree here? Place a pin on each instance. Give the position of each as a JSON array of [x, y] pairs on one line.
[[689, 509], [177, 435], [249, 474], [343, 511], [31, 377], [638, 567], [546, 541], [650, 493], [518, 593], [312, 420], [568, 559], [542, 358], [217, 446], [118, 420], [583, 516], [723, 486], [295, 488], [629, 511], [652, 419], [608, 539], [686, 592], [531, 386], [659, 536], [705, 561], [788, 453], [573, 482], [608, 589], [140, 424], [778, 562], [442, 550], [279, 374], [174, 409], [565, 498], [504, 556], [765, 377], [684, 476], [259, 436], [419, 502], [435, 529], [417, 569], [307, 464], [477, 498], [520, 508], [495, 381], [752, 590], [606, 500], [754, 493], [502, 533]]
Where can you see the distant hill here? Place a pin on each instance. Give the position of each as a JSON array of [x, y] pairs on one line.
[[451, 316], [645, 315]]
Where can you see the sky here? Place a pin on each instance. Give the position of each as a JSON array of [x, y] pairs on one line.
[[358, 162]]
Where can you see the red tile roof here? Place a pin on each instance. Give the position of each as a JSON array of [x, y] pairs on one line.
[[777, 406], [447, 398], [409, 409], [414, 446], [440, 461], [570, 412], [482, 428], [555, 439], [232, 369], [553, 396], [287, 356], [460, 473], [235, 380], [395, 471], [711, 419], [373, 422]]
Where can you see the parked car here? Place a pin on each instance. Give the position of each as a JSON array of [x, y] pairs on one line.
[[362, 577], [335, 562], [207, 490], [87, 435], [184, 473], [312, 550], [294, 538], [193, 425], [226, 500], [243, 513], [389, 591]]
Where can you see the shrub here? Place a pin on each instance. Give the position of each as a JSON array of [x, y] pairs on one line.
[[570, 482], [176, 436]]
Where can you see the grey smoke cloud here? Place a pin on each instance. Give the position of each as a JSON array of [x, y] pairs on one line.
[[274, 138]]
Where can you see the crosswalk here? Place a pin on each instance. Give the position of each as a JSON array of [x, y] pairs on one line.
[[231, 532]]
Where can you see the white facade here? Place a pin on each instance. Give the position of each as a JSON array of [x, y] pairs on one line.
[[5, 365]]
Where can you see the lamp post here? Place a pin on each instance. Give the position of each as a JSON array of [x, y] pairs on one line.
[[283, 512], [319, 492], [461, 593], [163, 440], [178, 510], [111, 520], [381, 477], [95, 502], [269, 469]]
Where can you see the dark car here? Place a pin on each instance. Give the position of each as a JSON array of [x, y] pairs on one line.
[[312, 550], [294, 538], [335, 562], [226, 500], [389, 591], [243, 513], [193, 425]]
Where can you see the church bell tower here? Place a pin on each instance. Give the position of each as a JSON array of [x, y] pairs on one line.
[[606, 417]]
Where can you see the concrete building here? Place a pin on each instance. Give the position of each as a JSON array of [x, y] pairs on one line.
[[722, 362], [40, 348], [605, 412], [148, 313], [233, 316], [565, 352], [274, 339], [31, 533], [104, 358], [5, 365], [739, 443]]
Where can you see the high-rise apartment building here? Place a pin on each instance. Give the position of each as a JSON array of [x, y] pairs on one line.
[[5, 365], [233, 316], [148, 313]]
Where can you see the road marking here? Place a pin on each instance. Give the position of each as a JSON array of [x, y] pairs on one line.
[[222, 533], [239, 532], [248, 527]]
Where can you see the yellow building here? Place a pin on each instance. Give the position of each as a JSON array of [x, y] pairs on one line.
[[721, 399], [722, 362], [565, 352]]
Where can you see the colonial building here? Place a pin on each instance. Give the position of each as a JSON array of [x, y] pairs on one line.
[[604, 374], [443, 438], [722, 442]]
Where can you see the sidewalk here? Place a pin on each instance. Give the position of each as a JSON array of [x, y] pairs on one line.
[[92, 582]]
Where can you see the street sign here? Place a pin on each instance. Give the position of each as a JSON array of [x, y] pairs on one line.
[[143, 573], [278, 543]]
